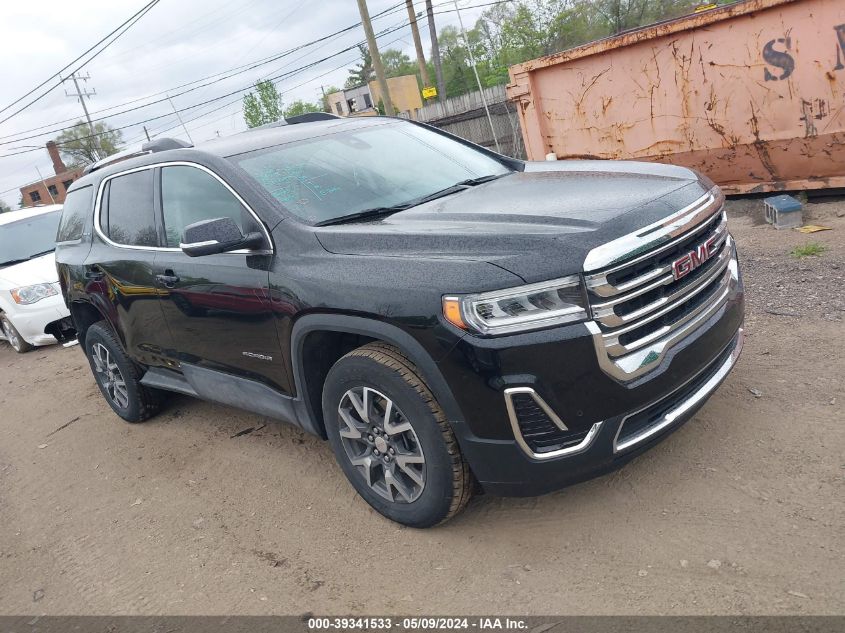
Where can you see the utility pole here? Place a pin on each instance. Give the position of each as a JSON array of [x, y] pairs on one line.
[[435, 52], [477, 78], [415, 31], [176, 112], [82, 95], [377, 66]]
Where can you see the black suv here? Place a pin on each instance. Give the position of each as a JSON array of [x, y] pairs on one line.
[[443, 315]]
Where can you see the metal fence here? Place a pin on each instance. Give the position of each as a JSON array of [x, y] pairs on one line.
[[464, 116]]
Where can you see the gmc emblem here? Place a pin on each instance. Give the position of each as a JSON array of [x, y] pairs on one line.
[[684, 265]]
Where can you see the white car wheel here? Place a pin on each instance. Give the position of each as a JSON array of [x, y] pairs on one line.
[[13, 336]]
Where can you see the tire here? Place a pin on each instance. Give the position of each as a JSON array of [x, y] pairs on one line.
[[404, 489], [111, 367], [13, 337]]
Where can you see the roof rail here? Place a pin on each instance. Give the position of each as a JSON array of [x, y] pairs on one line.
[[308, 117], [150, 147]]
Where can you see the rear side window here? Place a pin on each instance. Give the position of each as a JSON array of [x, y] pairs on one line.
[[191, 195], [130, 217], [74, 213]]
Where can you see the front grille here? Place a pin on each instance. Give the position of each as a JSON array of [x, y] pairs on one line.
[[538, 430], [638, 305]]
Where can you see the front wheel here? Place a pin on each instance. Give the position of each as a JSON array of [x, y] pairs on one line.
[[391, 438], [13, 336]]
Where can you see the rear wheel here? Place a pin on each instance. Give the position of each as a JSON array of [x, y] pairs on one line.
[[13, 336], [118, 377], [391, 438]]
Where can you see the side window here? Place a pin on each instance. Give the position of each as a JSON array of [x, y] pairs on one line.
[[191, 195], [130, 218], [74, 213]]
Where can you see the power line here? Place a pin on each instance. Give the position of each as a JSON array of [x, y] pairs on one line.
[[125, 26], [272, 78], [233, 72], [218, 98], [240, 90]]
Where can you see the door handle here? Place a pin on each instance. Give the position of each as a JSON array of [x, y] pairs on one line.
[[93, 273], [168, 279]]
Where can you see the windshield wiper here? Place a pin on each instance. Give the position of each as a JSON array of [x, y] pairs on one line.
[[384, 211], [471, 182], [365, 214], [49, 250]]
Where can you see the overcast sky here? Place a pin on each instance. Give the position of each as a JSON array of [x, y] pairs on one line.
[[177, 42]]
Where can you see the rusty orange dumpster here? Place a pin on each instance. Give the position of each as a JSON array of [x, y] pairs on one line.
[[750, 94]]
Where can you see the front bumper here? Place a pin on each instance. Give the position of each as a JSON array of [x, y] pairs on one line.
[[33, 321], [611, 421]]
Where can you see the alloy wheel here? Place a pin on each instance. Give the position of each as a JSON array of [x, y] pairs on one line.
[[11, 335], [382, 445], [109, 376]]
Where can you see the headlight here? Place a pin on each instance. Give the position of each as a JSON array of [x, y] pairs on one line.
[[518, 309], [32, 294]]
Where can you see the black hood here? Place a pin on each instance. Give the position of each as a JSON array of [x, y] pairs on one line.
[[539, 223]]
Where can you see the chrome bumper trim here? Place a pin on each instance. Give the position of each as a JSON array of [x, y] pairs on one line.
[[517, 433], [671, 416], [652, 239]]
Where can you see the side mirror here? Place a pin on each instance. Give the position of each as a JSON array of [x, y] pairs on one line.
[[220, 235]]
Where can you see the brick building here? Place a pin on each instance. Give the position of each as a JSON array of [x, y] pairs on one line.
[[53, 188]]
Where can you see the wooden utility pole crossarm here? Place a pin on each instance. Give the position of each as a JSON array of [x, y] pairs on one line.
[[377, 66]]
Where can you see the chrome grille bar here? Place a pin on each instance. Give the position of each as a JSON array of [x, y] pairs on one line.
[[640, 309]]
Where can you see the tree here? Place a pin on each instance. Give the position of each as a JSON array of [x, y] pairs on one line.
[[262, 106], [301, 107], [4, 208], [363, 73], [325, 98], [78, 147], [396, 63]]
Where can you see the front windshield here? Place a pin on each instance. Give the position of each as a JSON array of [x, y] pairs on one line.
[[27, 238], [372, 167]]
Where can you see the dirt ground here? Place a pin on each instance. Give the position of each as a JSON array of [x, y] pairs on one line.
[[739, 512]]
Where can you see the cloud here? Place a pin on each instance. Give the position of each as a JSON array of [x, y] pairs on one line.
[[175, 43]]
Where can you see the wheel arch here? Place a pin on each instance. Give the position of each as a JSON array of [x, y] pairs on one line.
[[85, 314], [309, 379]]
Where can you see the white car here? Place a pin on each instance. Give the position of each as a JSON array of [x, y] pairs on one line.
[[32, 311]]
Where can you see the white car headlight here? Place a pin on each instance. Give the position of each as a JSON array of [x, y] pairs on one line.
[[32, 294], [519, 309]]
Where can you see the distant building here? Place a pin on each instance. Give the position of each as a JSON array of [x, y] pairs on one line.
[[363, 100], [52, 189]]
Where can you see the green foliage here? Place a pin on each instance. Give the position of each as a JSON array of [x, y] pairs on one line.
[[396, 63], [514, 32], [811, 249], [262, 106], [363, 73], [78, 147], [300, 107], [327, 90], [4, 208]]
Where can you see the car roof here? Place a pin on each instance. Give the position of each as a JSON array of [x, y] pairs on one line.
[[247, 141], [260, 138], [28, 212]]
